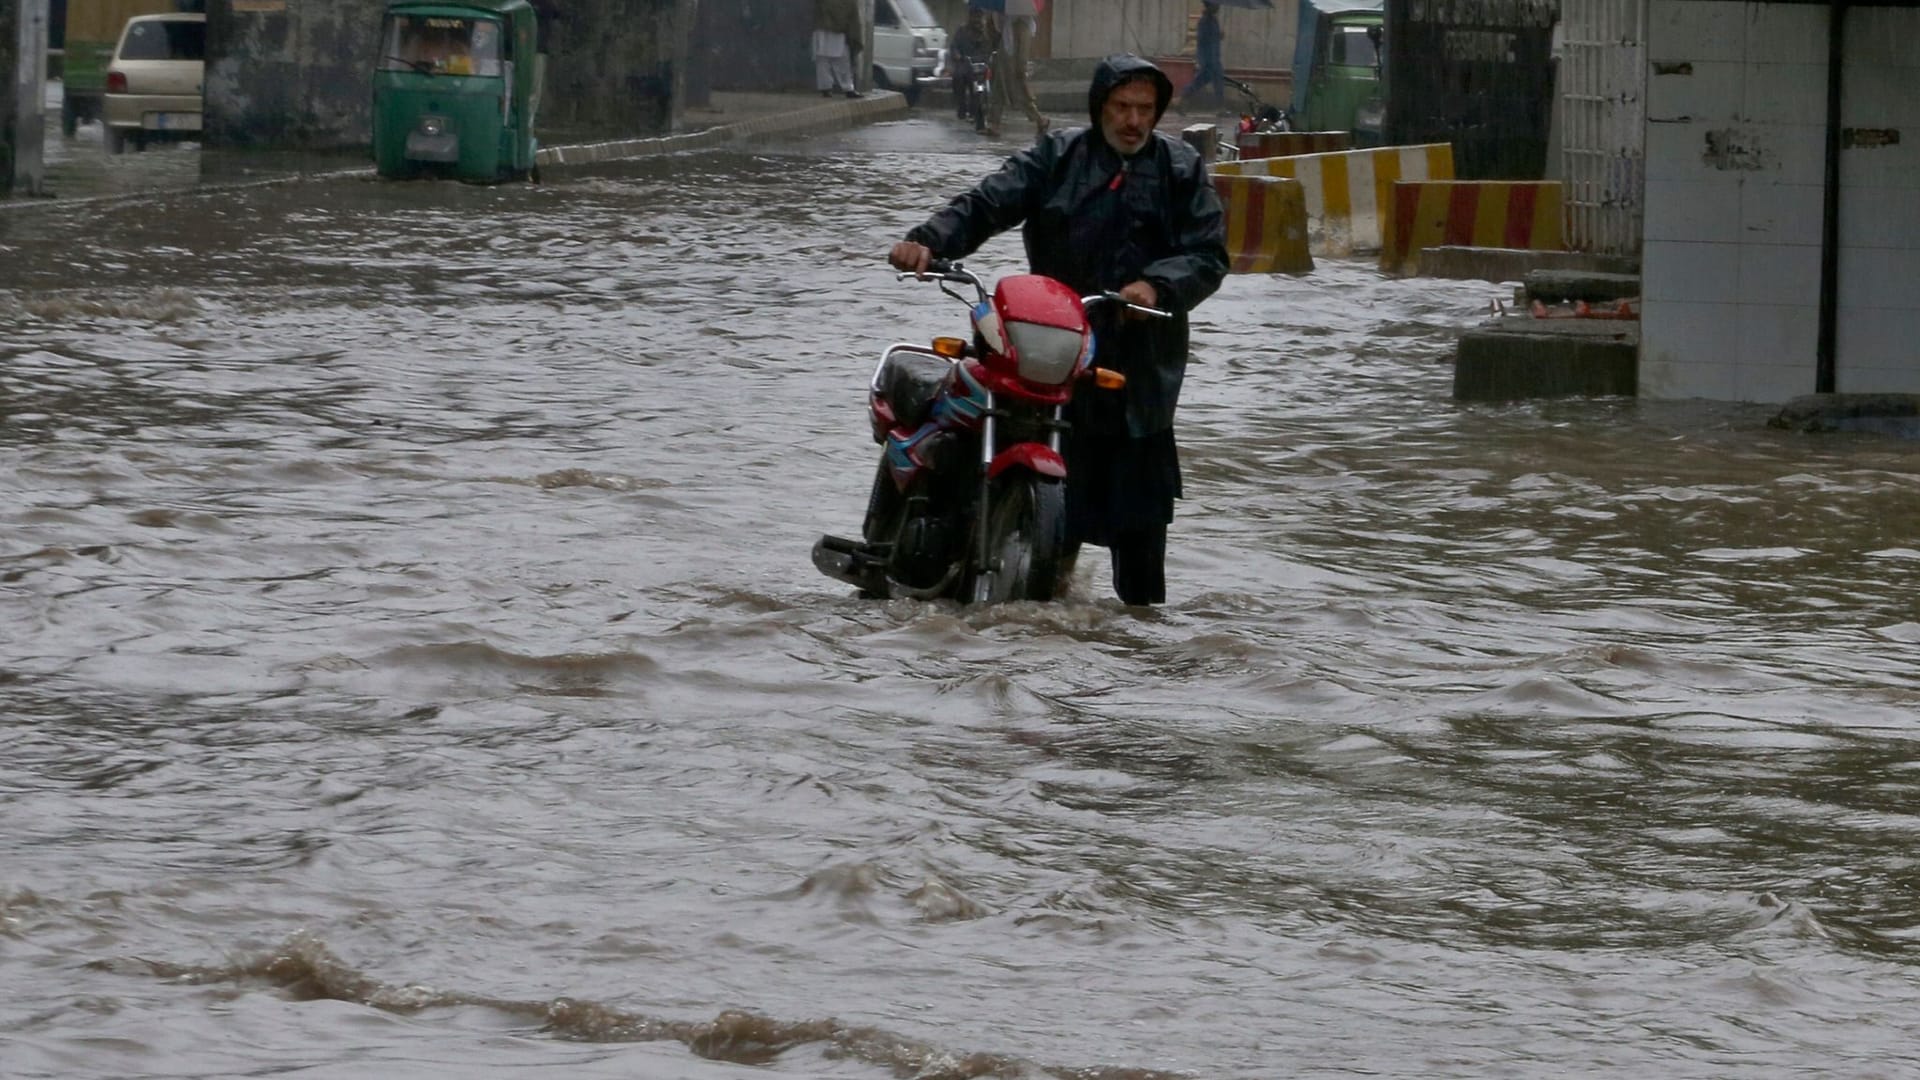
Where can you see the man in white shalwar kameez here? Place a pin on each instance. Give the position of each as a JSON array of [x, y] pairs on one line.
[[836, 39]]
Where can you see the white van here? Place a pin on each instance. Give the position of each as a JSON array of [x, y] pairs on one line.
[[909, 47]]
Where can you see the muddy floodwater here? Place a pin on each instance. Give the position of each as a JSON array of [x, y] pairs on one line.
[[411, 666]]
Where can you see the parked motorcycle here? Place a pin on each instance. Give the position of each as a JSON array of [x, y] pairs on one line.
[[969, 500], [1259, 117]]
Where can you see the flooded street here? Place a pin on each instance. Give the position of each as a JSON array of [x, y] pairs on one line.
[[413, 667]]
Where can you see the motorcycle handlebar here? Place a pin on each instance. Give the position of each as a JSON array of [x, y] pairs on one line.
[[1115, 298], [940, 270], [951, 270]]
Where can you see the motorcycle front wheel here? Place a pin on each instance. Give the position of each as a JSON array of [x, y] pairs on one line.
[[1026, 523]]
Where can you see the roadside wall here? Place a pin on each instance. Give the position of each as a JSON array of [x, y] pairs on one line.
[[755, 44], [286, 75], [1250, 38], [617, 67], [296, 76], [766, 45], [9, 82], [1736, 148]]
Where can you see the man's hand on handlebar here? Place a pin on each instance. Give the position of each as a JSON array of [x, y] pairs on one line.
[[1142, 293], [910, 257]]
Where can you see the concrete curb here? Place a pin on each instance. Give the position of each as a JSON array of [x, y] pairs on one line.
[[827, 116]]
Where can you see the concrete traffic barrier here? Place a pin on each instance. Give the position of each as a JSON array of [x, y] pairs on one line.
[[1204, 138], [1266, 224], [1512, 214], [1348, 192], [1265, 144]]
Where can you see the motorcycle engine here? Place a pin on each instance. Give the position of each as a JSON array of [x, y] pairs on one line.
[[923, 550]]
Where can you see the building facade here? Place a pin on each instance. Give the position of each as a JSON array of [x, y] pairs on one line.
[[1781, 251]]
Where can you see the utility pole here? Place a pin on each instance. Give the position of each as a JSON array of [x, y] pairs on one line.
[[23, 105]]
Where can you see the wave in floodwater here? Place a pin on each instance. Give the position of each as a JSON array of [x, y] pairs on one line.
[[304, 969]]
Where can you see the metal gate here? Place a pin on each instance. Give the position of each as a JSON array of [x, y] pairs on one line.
[[1603, 97]]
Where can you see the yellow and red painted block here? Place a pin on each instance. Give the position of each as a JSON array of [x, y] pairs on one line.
[[1266, 224], [1523, 214], [1348, 191]]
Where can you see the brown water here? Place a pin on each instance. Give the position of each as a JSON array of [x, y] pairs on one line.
[[412, 667]]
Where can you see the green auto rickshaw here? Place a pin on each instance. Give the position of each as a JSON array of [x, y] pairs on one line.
[[456, 90], [1337, 68]]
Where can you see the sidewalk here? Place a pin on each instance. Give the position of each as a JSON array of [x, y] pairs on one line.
[[740, 117]]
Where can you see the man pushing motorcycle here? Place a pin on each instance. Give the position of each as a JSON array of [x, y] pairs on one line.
[[1114, 207]]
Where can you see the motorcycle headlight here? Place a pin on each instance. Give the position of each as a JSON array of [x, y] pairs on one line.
[[1046, 354]]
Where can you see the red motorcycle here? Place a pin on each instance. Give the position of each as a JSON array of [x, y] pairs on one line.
[[969, 501]]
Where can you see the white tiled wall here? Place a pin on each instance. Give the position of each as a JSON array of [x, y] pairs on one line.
[[1879, 331], [1731, 252]]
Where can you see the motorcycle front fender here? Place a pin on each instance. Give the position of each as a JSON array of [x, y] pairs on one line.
[[1035, 457]]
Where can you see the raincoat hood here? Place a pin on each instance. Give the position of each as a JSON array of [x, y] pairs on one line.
[[1119, 68]]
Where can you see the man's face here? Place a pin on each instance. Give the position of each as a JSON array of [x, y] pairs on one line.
[[1127, 117]]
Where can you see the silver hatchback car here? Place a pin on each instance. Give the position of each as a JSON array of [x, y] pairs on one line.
[[155, 80]]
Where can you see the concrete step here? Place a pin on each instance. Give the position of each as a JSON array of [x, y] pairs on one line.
[[1516, 358], [1514, 264], [1559, 286]]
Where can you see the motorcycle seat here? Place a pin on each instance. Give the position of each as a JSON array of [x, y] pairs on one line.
[[911, 383]]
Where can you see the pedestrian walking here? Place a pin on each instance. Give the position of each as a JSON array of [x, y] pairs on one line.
[[1208, 70], [1010, 73]]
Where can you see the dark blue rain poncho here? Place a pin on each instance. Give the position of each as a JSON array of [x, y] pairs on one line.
[[1098, 221]]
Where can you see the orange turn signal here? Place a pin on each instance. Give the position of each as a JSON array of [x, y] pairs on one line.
[[950, 347], [1108, 379]]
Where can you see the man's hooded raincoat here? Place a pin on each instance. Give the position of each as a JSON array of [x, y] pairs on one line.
[[1099, 221]]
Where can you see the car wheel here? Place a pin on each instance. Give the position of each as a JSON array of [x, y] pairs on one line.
[[116, 142], [880, 81], [69, 119]]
